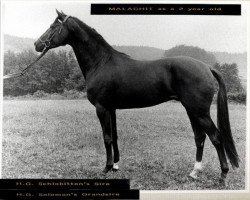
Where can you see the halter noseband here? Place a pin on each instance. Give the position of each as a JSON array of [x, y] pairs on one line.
[[46, 42]]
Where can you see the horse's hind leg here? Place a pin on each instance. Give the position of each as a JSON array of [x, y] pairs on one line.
[[208, 126], [115, 145], [199, 136]]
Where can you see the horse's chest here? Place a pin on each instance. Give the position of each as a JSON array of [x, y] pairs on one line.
[[100, 92]]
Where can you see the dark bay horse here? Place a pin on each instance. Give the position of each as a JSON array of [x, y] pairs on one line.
[[115, 81]]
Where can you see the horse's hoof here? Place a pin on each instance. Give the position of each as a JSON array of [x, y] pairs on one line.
[[107, 169], [193, 175]]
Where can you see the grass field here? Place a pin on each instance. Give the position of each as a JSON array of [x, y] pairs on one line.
[[63, 139]]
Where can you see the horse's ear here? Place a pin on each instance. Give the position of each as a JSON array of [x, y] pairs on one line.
[[60, 15]]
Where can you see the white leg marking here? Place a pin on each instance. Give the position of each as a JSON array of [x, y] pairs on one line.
[[115, 166], [197, 168], [193, 174]]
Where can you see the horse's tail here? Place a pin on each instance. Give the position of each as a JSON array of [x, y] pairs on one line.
[[223, 122]]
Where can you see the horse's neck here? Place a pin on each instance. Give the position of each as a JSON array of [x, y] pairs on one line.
[[90, 55]]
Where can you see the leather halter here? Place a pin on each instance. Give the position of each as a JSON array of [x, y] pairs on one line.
[[47, 42]]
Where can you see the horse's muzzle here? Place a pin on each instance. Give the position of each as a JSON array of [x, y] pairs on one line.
[[38, 46]]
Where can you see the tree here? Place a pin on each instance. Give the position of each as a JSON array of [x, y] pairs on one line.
[[194, 52], [14, 63], [230, 74], [54, 73], [76, 79]]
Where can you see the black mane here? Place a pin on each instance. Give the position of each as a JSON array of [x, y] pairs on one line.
[[94, 34]]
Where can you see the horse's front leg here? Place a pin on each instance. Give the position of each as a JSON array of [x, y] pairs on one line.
[[104, 116]]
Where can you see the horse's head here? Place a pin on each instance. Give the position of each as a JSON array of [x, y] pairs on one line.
[[56, 35]]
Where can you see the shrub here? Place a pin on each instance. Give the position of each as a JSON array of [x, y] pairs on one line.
[[239, 97], [67, 94], [40, 94], [73, 94], [56, 96]]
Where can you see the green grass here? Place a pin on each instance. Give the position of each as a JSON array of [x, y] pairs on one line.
[[63, 139]]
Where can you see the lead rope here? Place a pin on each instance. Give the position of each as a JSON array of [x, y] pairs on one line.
[[24, 70]]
